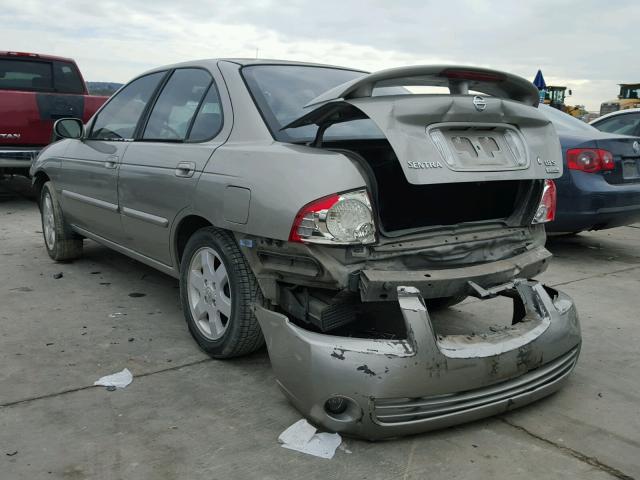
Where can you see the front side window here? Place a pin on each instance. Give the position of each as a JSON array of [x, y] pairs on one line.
[[176, 106], [625, 124], [66, 78], [28, 75], [119, 118]]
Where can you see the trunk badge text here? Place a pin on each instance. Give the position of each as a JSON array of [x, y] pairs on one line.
[[479, 103], [550, 165], [11, 136], [424, 165]]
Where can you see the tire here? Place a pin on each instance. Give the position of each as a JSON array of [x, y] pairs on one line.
[[444, 302], [217, 283], [61, 243]]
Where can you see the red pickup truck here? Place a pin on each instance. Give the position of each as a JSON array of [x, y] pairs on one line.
[[35, 91]]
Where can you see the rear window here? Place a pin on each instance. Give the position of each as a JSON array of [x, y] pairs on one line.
[[40, 76], [564, 122], [281, 92], [26, 75]]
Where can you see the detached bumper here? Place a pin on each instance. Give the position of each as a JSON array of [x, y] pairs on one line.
[[398, 387]]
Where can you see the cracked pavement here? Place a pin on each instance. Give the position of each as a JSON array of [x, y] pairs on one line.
[[187, 416]]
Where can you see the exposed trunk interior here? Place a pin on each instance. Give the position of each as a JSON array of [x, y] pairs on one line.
[[402, 206]]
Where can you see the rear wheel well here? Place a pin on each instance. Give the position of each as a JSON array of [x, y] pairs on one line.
[[188, 226]]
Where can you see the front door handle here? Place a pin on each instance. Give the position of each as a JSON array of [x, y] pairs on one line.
[[111, 161], [185, 169]]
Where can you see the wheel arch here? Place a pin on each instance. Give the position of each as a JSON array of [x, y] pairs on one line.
[[39, 179], [185, 228]]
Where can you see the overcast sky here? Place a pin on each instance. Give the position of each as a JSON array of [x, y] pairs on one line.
[[587, 45]]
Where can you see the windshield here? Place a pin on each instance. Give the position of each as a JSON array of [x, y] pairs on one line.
[[281, 92], [630, 92], [564, 122]]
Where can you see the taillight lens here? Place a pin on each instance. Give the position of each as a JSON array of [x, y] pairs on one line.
[[340, 219], [590, 160], [546, 211]]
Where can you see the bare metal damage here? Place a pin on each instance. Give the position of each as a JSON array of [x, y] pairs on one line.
[[426, 381]]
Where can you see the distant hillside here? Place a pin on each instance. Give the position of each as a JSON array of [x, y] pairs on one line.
[[103, 88]]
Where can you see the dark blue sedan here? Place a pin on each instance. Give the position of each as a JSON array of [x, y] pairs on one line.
[[600, 186]]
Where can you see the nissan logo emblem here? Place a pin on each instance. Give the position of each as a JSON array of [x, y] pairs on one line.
[[636, 146], [479, 103]]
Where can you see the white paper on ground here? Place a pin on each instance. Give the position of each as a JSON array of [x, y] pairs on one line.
[[303, 438], [118, 380], [298, 434]]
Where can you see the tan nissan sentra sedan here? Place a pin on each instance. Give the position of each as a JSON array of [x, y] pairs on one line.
[[330, 211]]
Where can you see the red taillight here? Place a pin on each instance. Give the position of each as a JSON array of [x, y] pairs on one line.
[[306, 214], [472, 75], [590, 160], [546, 211]]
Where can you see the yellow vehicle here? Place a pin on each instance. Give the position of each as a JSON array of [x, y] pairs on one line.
[[629, 98], [554, 96]]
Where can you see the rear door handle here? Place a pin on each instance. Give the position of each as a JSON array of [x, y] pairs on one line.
[[111, 161], [185, 169]]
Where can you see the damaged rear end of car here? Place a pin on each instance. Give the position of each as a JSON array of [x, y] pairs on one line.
[[456, 189]]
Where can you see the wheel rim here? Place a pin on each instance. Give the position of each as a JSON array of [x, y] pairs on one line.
[[48, 221], [209, 293]]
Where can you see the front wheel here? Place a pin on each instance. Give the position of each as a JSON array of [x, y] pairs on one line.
[[218, 291], [61, 243]]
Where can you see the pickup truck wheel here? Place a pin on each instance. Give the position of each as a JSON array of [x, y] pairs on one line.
[[444, 302], [218, 292], [61, 243]]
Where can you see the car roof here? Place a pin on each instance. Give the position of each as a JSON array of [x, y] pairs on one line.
[[272, 61], [244, 62], [614, 114], [33, 56]]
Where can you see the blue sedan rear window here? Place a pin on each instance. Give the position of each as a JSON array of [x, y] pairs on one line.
[[564, 122]]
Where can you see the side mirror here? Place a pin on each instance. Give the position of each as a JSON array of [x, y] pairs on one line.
[[570, 93], [68, 128]]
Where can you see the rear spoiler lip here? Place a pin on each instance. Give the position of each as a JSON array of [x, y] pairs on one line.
[[505, 85]]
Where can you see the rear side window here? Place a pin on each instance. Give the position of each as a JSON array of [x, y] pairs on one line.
[[625, 124], [119, 118], [177, 105], [208, 121], [66, 78], [26, 75]]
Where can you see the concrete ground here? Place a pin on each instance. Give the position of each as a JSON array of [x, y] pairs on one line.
[[186, 416]]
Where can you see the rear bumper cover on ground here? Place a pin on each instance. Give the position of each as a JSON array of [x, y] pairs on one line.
[[426, 381]]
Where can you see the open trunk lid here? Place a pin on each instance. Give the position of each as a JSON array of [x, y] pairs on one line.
[[459, 137]]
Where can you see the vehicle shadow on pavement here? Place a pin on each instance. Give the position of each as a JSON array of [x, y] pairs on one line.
[[16, 186]]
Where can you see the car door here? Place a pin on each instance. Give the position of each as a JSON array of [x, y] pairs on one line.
[[90, 167], [160, 169]]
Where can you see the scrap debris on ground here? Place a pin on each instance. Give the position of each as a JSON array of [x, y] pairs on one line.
[[303, 438], [116, 380]]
